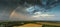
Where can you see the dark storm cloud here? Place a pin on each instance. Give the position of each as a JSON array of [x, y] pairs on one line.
[[6, 7]]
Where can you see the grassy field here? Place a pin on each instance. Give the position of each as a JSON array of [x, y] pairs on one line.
[[30, 23]]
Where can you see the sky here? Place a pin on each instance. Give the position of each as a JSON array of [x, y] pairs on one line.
[[11, 11]]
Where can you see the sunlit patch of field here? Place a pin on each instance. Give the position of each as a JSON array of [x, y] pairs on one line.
[[29, 25]]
